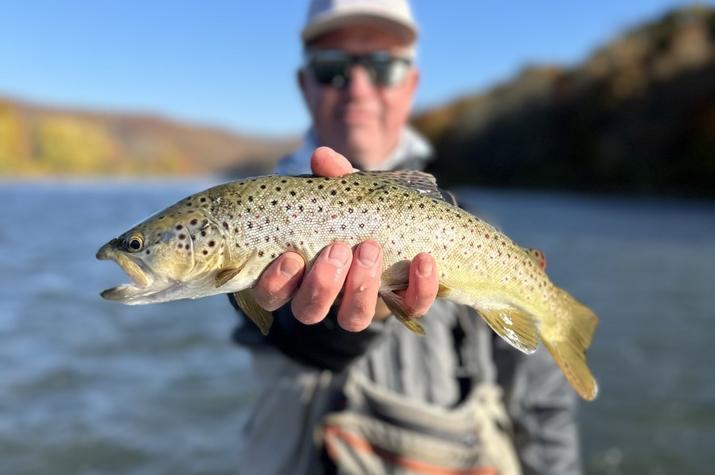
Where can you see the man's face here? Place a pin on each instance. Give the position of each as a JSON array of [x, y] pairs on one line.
[[361, 120]]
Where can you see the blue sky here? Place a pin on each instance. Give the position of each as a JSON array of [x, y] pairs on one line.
[[232, 63]]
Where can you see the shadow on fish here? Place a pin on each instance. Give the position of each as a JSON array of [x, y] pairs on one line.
[[221, 239]]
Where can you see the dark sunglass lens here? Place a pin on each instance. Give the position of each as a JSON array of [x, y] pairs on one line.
[[329, 72], [386, 71]]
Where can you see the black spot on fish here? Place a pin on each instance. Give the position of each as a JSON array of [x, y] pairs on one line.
[[179, 227]]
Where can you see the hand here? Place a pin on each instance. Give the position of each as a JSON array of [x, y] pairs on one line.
[[356, 272]]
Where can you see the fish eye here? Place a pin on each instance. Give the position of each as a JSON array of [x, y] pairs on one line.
[[135, 243]]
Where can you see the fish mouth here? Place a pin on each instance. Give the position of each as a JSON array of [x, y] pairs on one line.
[[144, 282]]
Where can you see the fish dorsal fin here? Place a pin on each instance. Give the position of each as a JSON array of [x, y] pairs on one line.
[[258, 315], [537, 256], [422, 182], [514, 325]]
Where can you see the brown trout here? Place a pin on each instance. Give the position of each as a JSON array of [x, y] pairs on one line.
[[221, 239]]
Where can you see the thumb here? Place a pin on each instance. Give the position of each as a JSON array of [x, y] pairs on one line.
[[327, 162]]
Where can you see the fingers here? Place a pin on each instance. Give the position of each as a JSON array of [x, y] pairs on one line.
[[321, 285], [279, 281], [338, 268], [327, 162], [423, 285], [361, 285]]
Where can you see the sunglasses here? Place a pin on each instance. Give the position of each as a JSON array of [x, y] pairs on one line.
[[333, 67]]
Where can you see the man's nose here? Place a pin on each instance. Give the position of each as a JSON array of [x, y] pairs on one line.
[[360, 82]]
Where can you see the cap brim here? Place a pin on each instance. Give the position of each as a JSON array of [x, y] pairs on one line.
[[328, 23]]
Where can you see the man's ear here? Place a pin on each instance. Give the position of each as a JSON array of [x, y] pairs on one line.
[[301, 79], [413, 79]]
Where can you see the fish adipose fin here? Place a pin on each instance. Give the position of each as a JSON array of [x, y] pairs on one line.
[[570, 350], [514, 325], [537, 256], [258, 315]]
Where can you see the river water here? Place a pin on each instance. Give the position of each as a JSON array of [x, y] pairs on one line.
[[92, 387]]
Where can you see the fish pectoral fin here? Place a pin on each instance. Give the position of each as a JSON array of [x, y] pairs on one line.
[[225, 275], [258, 315], [514, 325], [399, 309]]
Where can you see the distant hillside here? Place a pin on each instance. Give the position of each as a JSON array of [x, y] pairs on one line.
[[639, 114], [36, 140]]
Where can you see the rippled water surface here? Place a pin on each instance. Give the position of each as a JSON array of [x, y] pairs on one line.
[[92, 387]]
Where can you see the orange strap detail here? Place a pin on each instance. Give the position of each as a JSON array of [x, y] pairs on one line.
[[361, 444]]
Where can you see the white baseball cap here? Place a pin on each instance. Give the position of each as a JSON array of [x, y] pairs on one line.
[[327, 15]]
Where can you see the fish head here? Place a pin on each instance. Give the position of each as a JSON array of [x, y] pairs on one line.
[[169, 256]]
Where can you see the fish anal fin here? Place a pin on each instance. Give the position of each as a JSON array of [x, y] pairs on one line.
[[258, 315], [225, 275], [514, 325], [569, 346], [572, 362]]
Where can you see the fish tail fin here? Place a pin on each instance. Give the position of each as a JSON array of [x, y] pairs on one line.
[[569, 349]]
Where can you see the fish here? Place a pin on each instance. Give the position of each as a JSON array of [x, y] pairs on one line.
[[220, 240]]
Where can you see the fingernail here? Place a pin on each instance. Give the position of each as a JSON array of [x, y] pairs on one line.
[[368, 253], [338, 255], [290, 267], [424, 268]]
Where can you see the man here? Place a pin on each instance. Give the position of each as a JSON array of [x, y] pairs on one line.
[[346, 388]]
